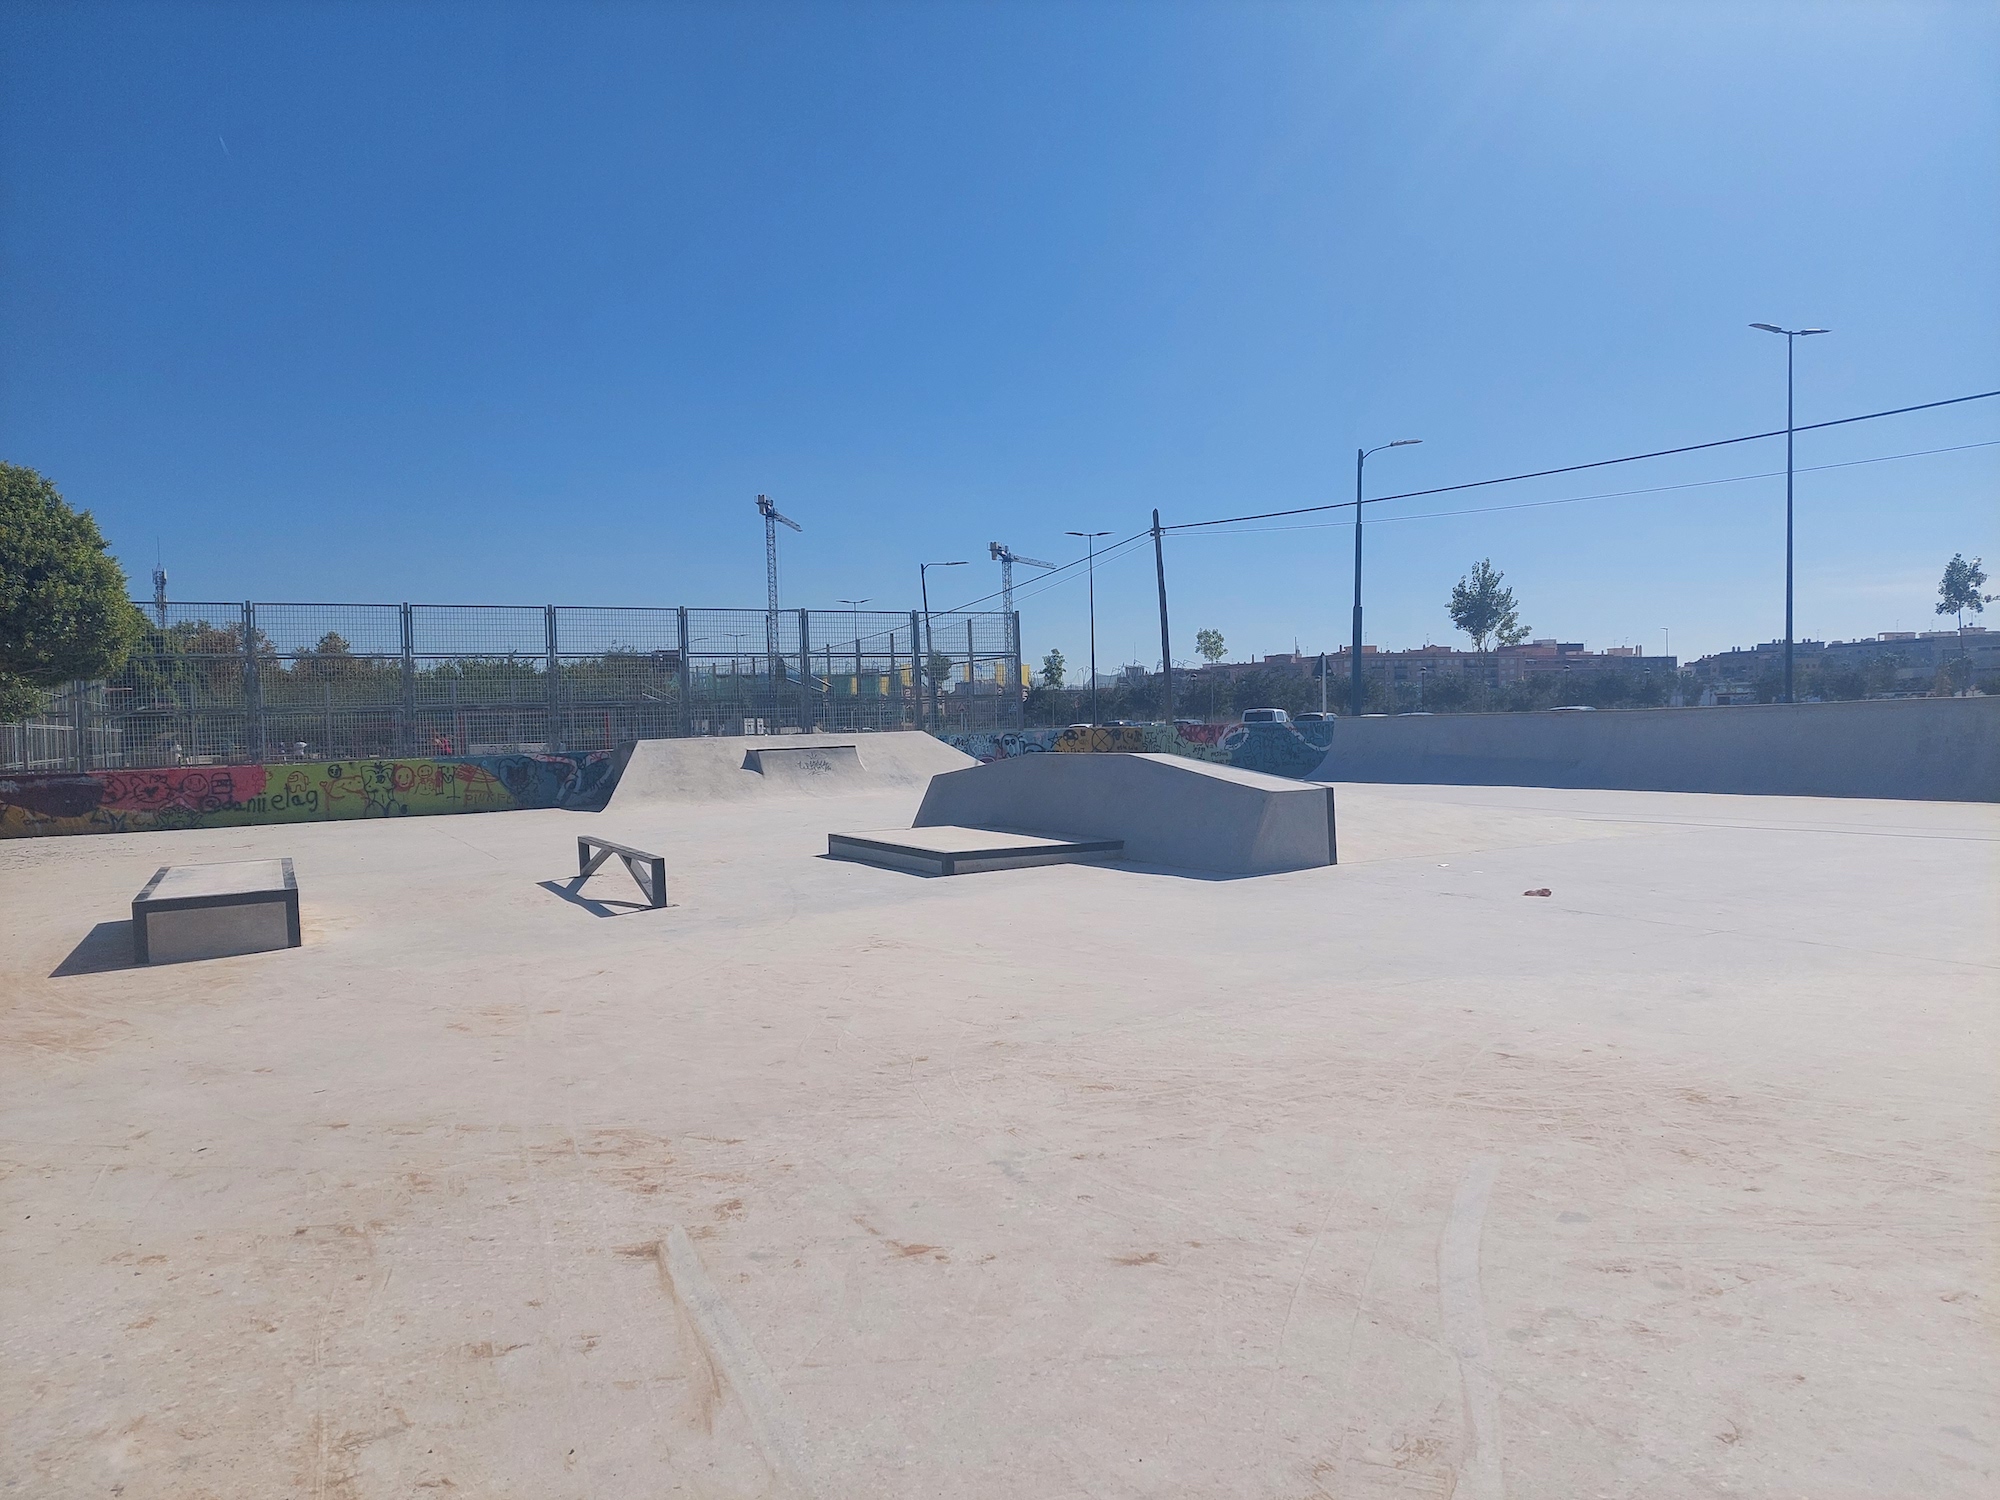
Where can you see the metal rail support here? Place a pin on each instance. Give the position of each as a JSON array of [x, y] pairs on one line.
[[648, 870]]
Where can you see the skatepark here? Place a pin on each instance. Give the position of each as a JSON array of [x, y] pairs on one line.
[[1120, 1176]]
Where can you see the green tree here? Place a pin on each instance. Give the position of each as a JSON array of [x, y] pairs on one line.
[[1052, 669], [1958, 591], [1484, 608], [63, 607], [940, 667], [1209, 644]]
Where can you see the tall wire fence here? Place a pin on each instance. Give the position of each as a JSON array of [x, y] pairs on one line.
[[216, 683]]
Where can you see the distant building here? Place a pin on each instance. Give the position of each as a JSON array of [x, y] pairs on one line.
[[1901, 661]]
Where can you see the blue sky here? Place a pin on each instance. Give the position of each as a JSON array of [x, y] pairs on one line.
[[526, 303]]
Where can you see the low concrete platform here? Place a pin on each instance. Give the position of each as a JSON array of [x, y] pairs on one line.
[[189, 912], [948, 850]]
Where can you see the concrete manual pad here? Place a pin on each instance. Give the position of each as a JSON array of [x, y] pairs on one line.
[[215, 911], [950, 850], [1166, 810]]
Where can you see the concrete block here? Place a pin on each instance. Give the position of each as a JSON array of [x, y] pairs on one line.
[[948, 850], [212, 911], [1165, 809]]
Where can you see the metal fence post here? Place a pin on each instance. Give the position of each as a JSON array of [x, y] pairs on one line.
[[406, 732], [555, 738], [79, 718], [918, 665], [1020, 689], [253, 687], [687, 678], [807, 718]]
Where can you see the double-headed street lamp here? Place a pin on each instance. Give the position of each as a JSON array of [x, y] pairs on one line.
[[1790, 334], [1090, 567], [1360, 458], [925, 674]]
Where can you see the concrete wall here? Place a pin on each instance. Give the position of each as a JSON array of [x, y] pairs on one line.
[[294, 792], [1930, 749], [1169, 810]]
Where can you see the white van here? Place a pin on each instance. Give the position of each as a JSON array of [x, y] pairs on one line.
[[1266, 716]]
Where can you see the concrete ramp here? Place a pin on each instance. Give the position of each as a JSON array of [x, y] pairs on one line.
[[739, 768], [1165, 809]]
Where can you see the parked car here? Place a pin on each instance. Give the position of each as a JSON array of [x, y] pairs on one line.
[[1315, 718], [1266, 716]]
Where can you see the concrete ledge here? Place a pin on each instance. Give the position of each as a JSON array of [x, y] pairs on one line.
[[214, 911], [945, 849], [1926, 749], [1165, 809]]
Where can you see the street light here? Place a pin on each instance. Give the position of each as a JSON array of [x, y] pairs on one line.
[[1790, 334], [1360, 458], [924, 587], [1090, 566]]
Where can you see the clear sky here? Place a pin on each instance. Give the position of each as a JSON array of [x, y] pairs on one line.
[[526, 303]]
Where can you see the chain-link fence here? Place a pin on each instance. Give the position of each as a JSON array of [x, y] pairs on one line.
[[230, 683]]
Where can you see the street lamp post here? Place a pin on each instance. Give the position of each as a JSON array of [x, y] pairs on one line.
[[1360, 458], [924, 588], [1090, 568], [1790, 334], [853, 624]]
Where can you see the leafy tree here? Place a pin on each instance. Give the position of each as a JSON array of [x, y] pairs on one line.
[[1483, 608], [1958, 591], [1209, 644], [1052, 669], [63, 607], [939, 667]]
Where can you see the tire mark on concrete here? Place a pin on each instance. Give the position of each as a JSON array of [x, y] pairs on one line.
[[1462, 1320], [732, 1353]]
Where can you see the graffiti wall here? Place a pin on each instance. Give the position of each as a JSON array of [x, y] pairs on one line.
[[295, 792], [1279, 749]]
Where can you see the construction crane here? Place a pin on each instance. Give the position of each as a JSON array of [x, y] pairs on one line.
[[1006, 556], [772, 516]]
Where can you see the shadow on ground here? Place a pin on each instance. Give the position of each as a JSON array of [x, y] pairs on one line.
[[105, 947]]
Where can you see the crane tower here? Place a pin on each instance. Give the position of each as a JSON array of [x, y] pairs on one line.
[[772, 517], [1006, 556]]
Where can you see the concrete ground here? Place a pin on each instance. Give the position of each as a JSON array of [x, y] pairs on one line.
[[1379, 1180]]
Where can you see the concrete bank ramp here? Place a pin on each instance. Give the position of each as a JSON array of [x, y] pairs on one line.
[[741, 768], [1929, 749], [1168, 810]]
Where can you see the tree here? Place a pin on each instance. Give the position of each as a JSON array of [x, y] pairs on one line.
[[1209, 644], [1052, 669], [1482, 608], [63, 607], [939, 667], [1958, 591]]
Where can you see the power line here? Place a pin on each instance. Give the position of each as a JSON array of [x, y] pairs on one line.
[[1658, 489], [1630, 458]]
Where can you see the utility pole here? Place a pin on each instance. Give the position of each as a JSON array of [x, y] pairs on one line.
[[1166, 640], [771, 520], [1791, 335], [1360, 693]]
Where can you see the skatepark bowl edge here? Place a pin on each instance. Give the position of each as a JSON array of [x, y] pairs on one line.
[[1376, 1179]]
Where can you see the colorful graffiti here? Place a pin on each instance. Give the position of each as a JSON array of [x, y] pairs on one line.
[[1295, 750], [296, 792]]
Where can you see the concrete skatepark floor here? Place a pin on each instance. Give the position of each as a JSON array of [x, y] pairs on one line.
[[1376, 1180]]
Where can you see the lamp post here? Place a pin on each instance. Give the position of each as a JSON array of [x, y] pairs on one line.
[[1090, 569], [853, 624], [924, 587], [1360, 458], [1790, 334]]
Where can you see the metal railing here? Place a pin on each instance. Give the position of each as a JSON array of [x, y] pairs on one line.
[[232, 683]]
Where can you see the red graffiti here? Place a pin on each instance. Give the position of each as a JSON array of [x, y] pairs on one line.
[[191, 788]]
